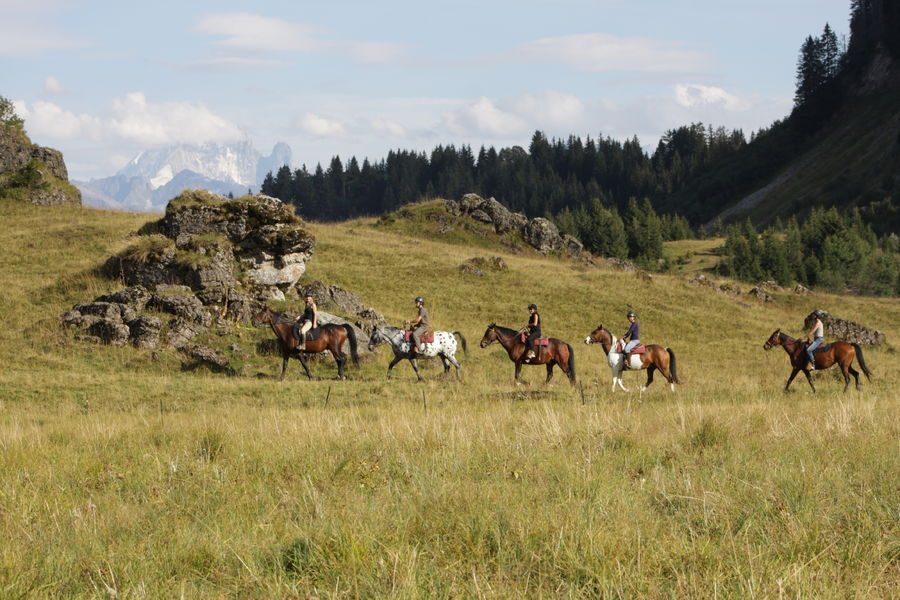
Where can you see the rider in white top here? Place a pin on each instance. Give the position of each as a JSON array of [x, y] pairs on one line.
[[818, 334]]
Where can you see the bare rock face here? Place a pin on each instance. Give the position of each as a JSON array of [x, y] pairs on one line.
[[539, 233], [542, 235], [145, 331], [42, 168], [760, 294]]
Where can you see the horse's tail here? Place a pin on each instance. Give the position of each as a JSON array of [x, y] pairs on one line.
[[571, 372], [462, 341], [862, 361], [351, 335], [672, 366]]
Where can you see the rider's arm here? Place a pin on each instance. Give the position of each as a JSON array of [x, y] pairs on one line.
[[315, 320]]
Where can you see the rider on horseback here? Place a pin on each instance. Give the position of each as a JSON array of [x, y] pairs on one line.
[[534, 331], [419, 326], [632, 335], [307, 321], [818, 334]]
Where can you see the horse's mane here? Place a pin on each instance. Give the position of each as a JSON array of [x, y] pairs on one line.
[[505, 330]]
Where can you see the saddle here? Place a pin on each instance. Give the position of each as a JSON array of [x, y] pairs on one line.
[[620, 347], [427, 338], [541, 341], [822, 348], [311, 335]]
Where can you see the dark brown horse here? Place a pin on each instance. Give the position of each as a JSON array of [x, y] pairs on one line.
[[331, 338], [557, 352], [840, 353], [654, 358]]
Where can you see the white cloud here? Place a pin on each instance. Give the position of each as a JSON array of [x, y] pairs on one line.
[[484, 116], [550, 109], [248, 32], [388, 127], [601, 52], [46, 119], [255, 33], [52, 85], [691, 95], [320, 126], [137, 120]]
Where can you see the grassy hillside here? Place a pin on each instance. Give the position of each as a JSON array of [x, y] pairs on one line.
[[120, 474]]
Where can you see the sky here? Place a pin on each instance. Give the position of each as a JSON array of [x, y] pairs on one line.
[[102, 81]]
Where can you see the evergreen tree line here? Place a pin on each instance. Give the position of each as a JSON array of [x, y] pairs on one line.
[[638, 236], [552, 175], [820, 62], [828, 250]]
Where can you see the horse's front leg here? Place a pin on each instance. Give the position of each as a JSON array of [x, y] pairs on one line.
[[791, 378], [809, 379], [397, 358], [303, 361]]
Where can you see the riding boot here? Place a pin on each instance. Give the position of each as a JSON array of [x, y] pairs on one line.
[[302, 346]]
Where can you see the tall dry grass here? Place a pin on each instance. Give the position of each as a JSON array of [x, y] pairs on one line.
[[122, 475]]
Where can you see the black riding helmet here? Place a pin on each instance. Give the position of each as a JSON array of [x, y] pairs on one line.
[[631, 314], [420, 299], [534, 306]]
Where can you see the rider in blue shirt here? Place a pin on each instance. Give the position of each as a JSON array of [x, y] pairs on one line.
[[632, 335]]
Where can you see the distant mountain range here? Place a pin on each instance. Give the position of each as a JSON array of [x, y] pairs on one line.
[[154, 177]]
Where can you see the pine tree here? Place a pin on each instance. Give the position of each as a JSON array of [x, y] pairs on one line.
[[810, 70], [831, 54]]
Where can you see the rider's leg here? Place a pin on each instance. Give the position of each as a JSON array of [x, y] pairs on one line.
[[809, 352], [303, 331]]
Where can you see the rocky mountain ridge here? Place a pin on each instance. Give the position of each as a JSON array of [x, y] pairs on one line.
[[31, 172]]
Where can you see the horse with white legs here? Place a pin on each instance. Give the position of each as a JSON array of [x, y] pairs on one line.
[[654, 358], [443, 346]]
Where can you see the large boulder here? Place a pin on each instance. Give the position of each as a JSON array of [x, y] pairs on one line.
[[846, 330], [40, 171], [145, 331], [135, 296], [542, 235]]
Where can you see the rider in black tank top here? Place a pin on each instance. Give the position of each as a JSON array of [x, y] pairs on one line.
[[534, 331]]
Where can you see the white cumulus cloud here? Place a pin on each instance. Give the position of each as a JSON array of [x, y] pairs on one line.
[[47, 119], [320, 126], [486, 117], [256, 33], [691, 95], [388, 127], [136, 119]]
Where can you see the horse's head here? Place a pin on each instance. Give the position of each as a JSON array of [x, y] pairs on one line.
[[263, 317], [597, 336], [774, 340], [377, 338], [490, 335]]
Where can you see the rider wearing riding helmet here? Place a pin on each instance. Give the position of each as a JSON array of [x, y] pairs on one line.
[[308, 320], [632, 335], [533, 329], [419, 326], [818, 334]]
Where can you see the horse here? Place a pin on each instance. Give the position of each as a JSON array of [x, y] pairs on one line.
[[556, 352], [331, 338], [444, 346], [840, 353], [654, 358]]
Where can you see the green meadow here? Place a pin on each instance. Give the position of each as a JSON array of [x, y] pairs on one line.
[[123, 475]]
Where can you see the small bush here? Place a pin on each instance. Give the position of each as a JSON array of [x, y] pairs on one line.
[[212, 444]]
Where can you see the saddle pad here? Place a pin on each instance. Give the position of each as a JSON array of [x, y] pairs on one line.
[[620, 348], [428, 338], [538, 342]]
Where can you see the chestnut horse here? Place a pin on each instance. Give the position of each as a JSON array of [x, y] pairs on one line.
[[331, 338], [557, 352], [840, 353], [655, 358]]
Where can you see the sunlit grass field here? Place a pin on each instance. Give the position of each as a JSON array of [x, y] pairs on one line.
[[122, 475]]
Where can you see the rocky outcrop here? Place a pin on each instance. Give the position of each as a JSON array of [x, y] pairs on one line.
[[539, 233], [32, 171], [480, 266], [843, 329], [725, 288], [334, 298]]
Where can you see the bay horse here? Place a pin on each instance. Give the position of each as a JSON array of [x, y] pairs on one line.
[[443, 346], [557, 352], [654, 358], [331, 338], [840, 353]]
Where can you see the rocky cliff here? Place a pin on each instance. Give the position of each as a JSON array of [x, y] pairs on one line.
[[33, 173]]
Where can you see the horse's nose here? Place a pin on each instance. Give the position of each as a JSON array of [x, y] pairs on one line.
[[587, 340]]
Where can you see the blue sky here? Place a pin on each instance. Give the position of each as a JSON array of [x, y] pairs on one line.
[[104, 80]]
